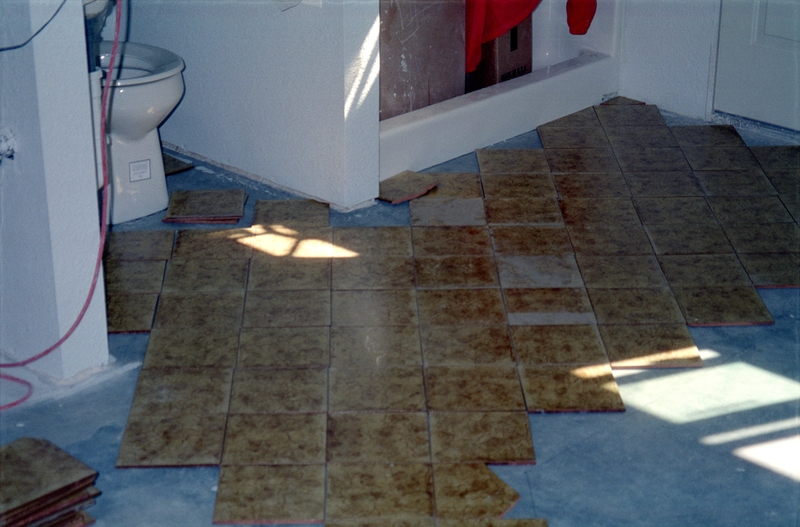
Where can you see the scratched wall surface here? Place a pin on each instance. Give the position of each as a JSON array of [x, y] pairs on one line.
[[422, 53]]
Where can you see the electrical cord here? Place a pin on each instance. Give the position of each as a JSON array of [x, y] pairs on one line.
[[103, 230], [35, 33]]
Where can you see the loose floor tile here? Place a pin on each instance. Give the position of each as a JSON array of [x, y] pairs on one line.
[[573, 137], [259, 391], [534, 522], [291, 347], [405, 186], [227, 244], [455, 185], [498, 161], [764, 238], [200, 310], [772, 270], [687, 238], [205, 206], [451, 241], [548, 306], [621, 271], [205, 276], [171, 392], [609, 239], [749, 209], [722, 306], [428, 522], [379, 491], [674, 210], [473, 388], [192, 347], [178, 440], [735, 182], [275, 439], [785, 181], [522, 210], [592, 185], [471, 491], [444, 307], [378, 438], [292, 213], [285, 274], [640, 137], [440, 212], [539, 271], [518, 186], [635, 306], [466, 345], [173, 165], [720, 157], [650, 346], [130, 313], [372, 273], [374, 241], [139, 245], [708, 136], [374, 308], [395, 389], [582, 160], [585, 117], [674, 183], [778, 158], [616, 101], [579, 211], [629, 115], [481, 437], [697, 270], [571, 389], [375, 346], [651, 159], [129, 277], [287, 308], [264, 494], [531, 240], [792, 204], [563, 344]]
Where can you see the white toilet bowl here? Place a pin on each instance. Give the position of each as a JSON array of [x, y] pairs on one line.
[[148, 86]]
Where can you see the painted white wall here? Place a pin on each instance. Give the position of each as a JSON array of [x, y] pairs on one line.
[[266, 89], [668, 53], [48, 205]]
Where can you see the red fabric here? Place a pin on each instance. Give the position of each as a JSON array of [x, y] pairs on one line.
[[488, 19], [579, 15]]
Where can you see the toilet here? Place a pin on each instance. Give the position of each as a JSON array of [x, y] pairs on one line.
[[147, 85]]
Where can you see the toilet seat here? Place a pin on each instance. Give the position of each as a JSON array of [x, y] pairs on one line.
[[140, 63]]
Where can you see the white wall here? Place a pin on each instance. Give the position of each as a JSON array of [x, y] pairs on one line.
[[48, 204], [266, 89]]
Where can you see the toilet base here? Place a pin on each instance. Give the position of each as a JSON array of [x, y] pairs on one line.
[[137, 183]]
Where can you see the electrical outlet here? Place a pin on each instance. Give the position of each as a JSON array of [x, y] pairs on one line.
[[8, 145]]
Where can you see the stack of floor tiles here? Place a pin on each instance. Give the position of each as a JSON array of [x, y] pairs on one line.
[[43, 486]]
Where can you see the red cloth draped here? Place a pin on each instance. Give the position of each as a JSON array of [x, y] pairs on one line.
[[579, 15]]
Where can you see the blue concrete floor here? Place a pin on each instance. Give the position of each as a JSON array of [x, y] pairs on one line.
[[694, 448]]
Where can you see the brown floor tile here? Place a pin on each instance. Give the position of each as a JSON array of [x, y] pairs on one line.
[[377, 491], [571, 389], [291, 213], [372, 273], [473, 388], [548, 306], [302, 242], [597, 238], [228, 244], [284, 274], [205, 276], [635, 306], [466, 345], [640, 137], [573, 137], [576, 344], [698, 270], [661, 346], [675, 210], [498, 161], [171, 392], [395, 389], [539, 271], [455, 185], [456, 271], [130, 276], [720, 157], [591, 185], [778, 158], [449, 241], [629, 115], [205, 206], [374, 308], [178, 440], [287, 308], [471, 491], [522, 210], [621, 101], [792, 204], [749, 209], [772, 270], [259, 391], [689, 238], [277, 494], [707, 136], [735, 182], [375, 346], [481, 437], [722, 306], [580, 211], [531, 240], [518, 186], [200, 310], [582, 160], [139, 245], [585, 117], [378, 438], [444, 307], [651, 159], [427, 522], [192, 347], [672, 183], [785, 181], [275, 439], [130, 313], [298, 347], [621, 271], [374, 241], [533, 522], [442, 212], [405, 186], [764, 238]]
